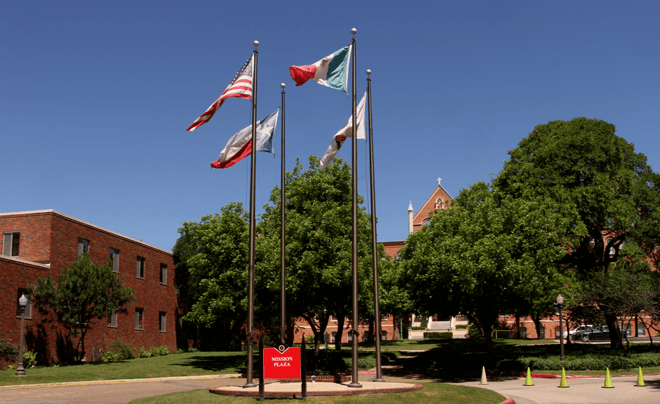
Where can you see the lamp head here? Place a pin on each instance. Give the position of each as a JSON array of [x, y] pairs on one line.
[[23, 300], [560, 299]]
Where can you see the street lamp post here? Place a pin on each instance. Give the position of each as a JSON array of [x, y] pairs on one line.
[[560, 303], [21, 370]]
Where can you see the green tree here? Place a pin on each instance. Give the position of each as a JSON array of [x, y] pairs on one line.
[[483, 256], [84, 292], [214, 252], [318, 246], [595, 176]]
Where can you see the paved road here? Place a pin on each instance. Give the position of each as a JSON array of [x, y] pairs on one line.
[[110, 392]]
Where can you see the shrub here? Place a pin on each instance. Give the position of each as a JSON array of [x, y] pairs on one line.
[[417, 328], [192, 349], [179, 351], [438, 335], [120, 350], [8, 351], [109, 357], [462, 326]]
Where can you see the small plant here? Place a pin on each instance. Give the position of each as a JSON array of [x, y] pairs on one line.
[[179, 351], [144, 353], [109, 357], [309, 339], [192, 349], [161, 351], [29, 359]]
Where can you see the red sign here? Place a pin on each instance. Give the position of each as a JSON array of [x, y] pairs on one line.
[[281, 363]]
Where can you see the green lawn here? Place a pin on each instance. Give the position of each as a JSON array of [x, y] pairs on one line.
[[432, 393], [185, 364]]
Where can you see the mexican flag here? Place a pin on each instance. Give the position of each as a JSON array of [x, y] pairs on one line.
[[331, 71]]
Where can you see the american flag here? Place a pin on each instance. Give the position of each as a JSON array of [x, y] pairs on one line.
[[240, 86]]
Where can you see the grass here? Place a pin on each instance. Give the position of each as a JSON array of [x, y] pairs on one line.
[[432, 393], [185, 364]]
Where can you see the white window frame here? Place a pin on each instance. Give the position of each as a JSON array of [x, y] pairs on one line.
[[114, 257], [139, 318], [163, 274], [112, 319], [83, 246], [162, 321], [8, 243], [140, 270], [333, 337]]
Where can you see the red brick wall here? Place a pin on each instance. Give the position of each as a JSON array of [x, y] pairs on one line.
[[35, 235], [58, 235], [392, 247]]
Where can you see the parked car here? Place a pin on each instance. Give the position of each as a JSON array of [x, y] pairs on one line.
[[577, 329], [598, 333]]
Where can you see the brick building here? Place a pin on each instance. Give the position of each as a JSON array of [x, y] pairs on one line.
[[37, 243]]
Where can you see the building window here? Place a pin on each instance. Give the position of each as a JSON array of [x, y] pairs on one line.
[[163, 274], [139, 318], [333, 336], [10, 244], [349, 336], [112, 319], [83, 246], [28, 307], [162, 317], [140, 268], [114, 259], [383, 335]]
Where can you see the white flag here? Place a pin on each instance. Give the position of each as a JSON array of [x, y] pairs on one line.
[[345, 132], [239, 146]]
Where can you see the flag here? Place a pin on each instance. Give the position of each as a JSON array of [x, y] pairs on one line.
[[331, 71], [239, 146], [240, 86], [345, 132]]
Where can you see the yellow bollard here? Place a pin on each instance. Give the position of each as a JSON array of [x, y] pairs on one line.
[[608, 382], [640, 378], [528, 379], [563, 383], [483, 375]]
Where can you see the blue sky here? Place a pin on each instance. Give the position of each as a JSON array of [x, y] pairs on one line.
[[95, 97]]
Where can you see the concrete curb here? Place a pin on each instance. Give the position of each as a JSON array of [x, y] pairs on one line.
[[118, 381]]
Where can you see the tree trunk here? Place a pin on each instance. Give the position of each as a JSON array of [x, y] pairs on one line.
[[568, 338], [290, 329], [340, 330], [615, 336], [537, 324]]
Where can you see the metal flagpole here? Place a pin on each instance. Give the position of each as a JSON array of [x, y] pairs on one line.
[[282, 236], [354, 382], [253, 173], [374, 242]]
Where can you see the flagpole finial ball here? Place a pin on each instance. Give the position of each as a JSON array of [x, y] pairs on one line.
[[354, 31], [256, 43], [368, 72], [282, 85]]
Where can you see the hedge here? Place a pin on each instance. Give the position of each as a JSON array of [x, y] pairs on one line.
[[588, 363], [438, 335]]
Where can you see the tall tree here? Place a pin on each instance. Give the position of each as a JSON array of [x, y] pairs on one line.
[[591, 173], [318, 246], [86, 291], [215, 253], [483, 256]]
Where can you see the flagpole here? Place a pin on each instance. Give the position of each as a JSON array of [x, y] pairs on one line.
[[282, 236], [249, 382], [354, 331], [374, 242]]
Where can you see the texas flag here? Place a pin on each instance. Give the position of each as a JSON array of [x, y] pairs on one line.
[[331, 71], [239, 146]]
